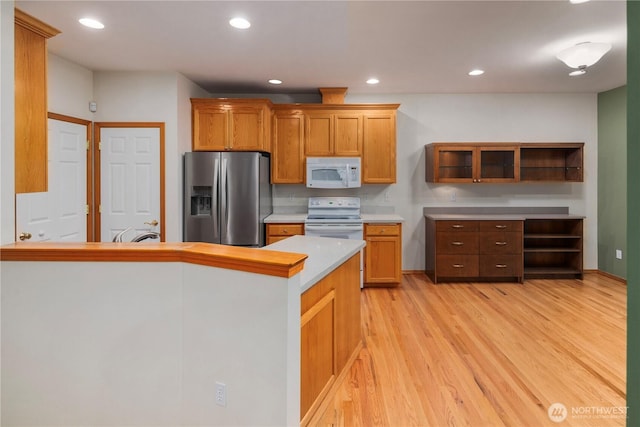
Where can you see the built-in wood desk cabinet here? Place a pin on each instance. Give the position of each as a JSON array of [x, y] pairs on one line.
[[383, 255], [30, 62], [474, 250], [276, 232], [504, 162], [231, 124]]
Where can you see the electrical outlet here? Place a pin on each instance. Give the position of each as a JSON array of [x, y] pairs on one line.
[[221, 394], [387, 195], [618, 253], [452, 196]]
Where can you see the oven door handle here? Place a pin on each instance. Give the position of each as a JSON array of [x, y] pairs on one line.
[[317, 227]]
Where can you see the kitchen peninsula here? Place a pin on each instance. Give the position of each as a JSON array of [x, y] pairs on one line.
[[142, 334]]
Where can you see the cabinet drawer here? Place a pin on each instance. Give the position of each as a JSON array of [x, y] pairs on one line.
[[457, 266], [501, 265], [382, 230], [456, 226], [456, 243], [501, 225], [497, 242], [285, 229]]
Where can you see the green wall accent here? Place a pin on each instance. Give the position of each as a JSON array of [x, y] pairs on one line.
[[633, 213], [612, 181]]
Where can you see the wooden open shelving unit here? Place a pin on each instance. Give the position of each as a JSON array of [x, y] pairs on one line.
[[552, 248]]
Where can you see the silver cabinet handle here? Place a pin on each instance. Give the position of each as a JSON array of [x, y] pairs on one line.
[[457, 243], [501, 265], [458, 265], [457, 226], [501, 243], [500, 226]]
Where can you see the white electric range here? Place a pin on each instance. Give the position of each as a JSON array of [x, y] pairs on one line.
[[335, 217]]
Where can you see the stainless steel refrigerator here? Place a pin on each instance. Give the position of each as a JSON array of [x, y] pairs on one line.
[[227, 196]]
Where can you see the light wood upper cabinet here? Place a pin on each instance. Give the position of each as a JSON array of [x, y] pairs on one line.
[[31, 102], [333, 134], [287, 160], [231, 124], [379, 154]]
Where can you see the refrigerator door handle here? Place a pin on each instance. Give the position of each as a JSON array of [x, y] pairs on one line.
[[224, 199]]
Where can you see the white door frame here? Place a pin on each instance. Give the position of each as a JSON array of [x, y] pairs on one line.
[[97, 174]]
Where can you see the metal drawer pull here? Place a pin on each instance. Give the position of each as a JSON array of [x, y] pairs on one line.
[[501, 265], [458, 265], [457, 243], [501, 243], [501, 226], [457, 226]]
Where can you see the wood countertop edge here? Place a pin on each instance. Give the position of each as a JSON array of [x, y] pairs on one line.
[[267, 262]]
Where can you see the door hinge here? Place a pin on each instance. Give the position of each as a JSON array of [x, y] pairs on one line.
[[100, 146], [86, 209], [88, 145], [100, 209]]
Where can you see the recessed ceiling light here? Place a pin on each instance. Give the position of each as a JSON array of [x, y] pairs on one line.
[[373, 81], [476, 72], [91, 23], [577, 1], [275, 82], [239, 23]]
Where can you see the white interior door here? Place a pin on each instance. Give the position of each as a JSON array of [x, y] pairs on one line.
[[129, 181], [60, 214]]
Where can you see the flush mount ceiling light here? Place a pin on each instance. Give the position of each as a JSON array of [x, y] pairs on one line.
[[476, 72], [91, 23], [373, 81], [239, 23], [577, 1], [275, 81], [583, 55]]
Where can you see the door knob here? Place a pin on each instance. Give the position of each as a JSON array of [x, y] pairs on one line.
[[24, 236], [152, 223]]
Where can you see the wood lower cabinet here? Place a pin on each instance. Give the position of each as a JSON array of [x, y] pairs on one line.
[[474, 250], [231, 124], [276, 232], [553, 248], [383, 255], [30, 62], [330, 334]]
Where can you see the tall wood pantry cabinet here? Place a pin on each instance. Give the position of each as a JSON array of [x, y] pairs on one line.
[[30, 61]]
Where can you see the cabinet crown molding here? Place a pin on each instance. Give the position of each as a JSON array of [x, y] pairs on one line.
[[34, 24]]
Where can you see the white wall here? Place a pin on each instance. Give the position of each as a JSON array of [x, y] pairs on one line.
[[426, 118], [7, 120], [69, 87]]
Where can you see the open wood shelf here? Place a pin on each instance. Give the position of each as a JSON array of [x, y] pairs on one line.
[[553, 248]]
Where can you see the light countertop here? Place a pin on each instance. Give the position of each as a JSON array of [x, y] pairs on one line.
[[300, 217], [499, 217], [324, 255]]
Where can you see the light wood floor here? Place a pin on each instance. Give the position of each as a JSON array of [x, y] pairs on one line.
[[487, 355]]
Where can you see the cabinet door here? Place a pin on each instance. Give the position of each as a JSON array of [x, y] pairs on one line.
[[497, 164], [247, 132], [318, 134], [382, 259], [287, 161], [453, 163], [210, 129], [379, 151], [348, 135]]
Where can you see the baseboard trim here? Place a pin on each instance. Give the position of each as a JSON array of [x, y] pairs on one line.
[[413, 272], [609, 275]]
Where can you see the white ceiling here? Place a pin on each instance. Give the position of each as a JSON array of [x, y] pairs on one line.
[[411, 46]]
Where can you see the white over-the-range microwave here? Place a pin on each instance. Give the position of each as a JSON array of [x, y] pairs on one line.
[[333, 172]]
